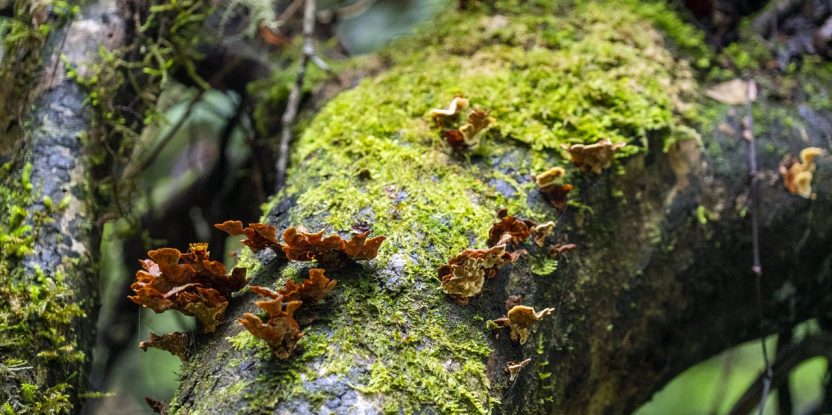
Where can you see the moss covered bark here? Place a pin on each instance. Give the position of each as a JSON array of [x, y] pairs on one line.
[[49, 239], [655, 285]]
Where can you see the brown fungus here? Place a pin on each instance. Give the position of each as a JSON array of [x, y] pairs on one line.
[[520, 320], [332, 250], [259, 236], [509, 231], [556, 250], [550, 185], [542, 231], [190, 282], [594, 157], [174, 343], [513, 368], [467, 135], [281, 331], [464, 275], [797, 174], [441, 116], [312, 290]]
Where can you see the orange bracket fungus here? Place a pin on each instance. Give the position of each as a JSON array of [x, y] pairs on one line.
[[281, 332], [520, 320], [555, 192], [513, 368], [259, 236], [175, 343], [511, 230], [465, 274], [302, 245], [312, 290], [797, 175], [190, 282], [594, 157]]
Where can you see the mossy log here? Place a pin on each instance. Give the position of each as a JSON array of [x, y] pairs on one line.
[[660, 280], [48, 259]]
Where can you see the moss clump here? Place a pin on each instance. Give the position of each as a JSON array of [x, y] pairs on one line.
[[36, 309]]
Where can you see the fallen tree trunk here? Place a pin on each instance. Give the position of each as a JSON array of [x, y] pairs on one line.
[[660, 279]]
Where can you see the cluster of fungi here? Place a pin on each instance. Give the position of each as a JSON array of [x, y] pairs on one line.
[[468, 134], [464, 276], [797, 173], [195, 285]]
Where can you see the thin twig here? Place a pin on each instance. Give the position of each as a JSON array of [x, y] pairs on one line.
[[756, 268], [791, 357], [294, 96]]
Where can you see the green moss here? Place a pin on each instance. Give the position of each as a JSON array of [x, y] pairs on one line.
[[36, 311]]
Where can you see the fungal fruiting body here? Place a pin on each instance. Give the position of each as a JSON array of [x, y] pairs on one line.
[[301, 245], [520, 319], [175, 343], [259, 236], [465, 274], [190, 282], [509, 230], [550, 184], [467, 135], [513, 368], [594, 157], [441, 116], [557, 249], [281, 331], [797, 174], [332, 250], [312, 290]]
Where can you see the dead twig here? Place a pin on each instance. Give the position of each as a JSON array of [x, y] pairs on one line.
[[294, 96], [756, 268]]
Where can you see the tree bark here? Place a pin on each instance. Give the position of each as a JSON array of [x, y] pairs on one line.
[[661, 278], [50, 244]]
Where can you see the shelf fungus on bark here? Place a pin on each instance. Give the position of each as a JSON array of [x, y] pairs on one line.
[[558, 249], [464, 275], [332, 250], [594, 157], [190, 282], [467, 135], [301, 245], [513, 368], [313, 289], [550, 185], [520, 320], [175, 343], [281, 332], [797, 174], [259, 236], [513, 231]]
